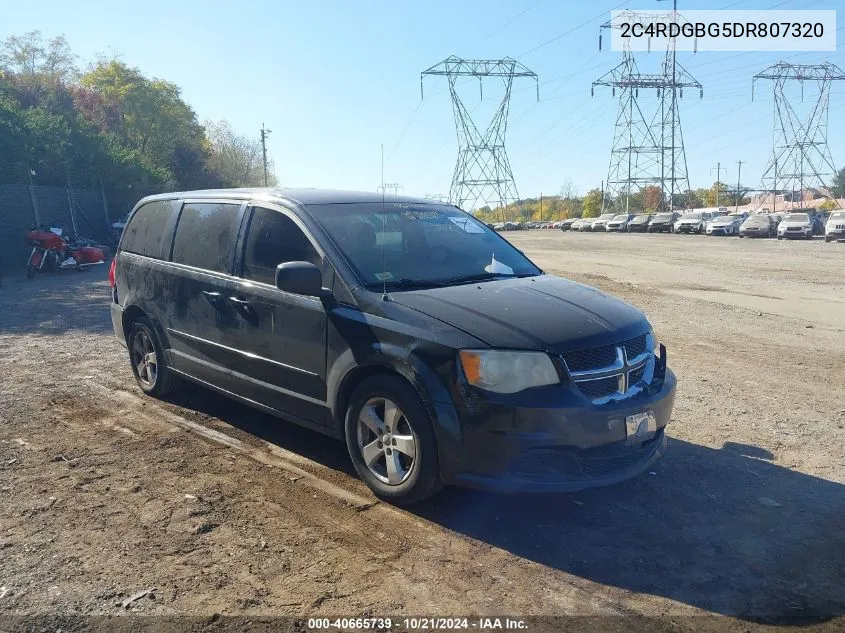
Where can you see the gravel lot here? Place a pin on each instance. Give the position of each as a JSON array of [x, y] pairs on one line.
[[222, 510]]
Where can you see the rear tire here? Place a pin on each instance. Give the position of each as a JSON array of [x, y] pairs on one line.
[[30, 271], [146, 357], [372, 429]]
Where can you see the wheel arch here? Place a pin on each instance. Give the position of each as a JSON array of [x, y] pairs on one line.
[[134, 312]]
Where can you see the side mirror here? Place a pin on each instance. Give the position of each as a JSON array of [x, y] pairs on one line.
[[301, 278]]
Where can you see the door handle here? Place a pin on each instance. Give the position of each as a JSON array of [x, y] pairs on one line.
[[214, 298], [244, 307]]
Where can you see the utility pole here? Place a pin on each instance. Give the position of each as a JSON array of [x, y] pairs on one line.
[[738, 173], [541, 207], [718, 183], [264, 134]]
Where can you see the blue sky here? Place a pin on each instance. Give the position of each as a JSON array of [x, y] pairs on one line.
[[335, 79]]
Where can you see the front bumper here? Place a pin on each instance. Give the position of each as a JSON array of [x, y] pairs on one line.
[[560, 446], [790, 235], [754, 232], [720, 230], [836, 234], [688, 228]]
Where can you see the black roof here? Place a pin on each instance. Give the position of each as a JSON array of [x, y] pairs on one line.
[[302, 195]]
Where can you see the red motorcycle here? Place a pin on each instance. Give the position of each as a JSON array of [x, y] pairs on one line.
[[51, 252]]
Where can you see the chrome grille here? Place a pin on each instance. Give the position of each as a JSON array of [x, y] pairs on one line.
[[635, 346], [637, 375], [601, 388], [587, 359], [612, 372]]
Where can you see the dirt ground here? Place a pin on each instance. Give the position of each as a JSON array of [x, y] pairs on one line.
[[219, 509]]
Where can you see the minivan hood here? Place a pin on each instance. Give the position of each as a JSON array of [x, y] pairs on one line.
[[537, 313]]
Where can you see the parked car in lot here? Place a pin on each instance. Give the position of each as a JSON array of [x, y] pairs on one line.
[[663, 222], [619, 222], [693, 222], [567, 224], [726, 224], [759, 225], [390, 325], [600, 222], [639, 223], [796, 225], [578, 224], [835, 227]]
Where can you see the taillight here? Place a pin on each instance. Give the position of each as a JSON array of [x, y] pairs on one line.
[[111, 271]]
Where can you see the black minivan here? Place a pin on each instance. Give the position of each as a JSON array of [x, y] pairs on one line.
[[424, 339]]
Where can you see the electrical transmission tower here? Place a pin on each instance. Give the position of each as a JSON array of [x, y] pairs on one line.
[[648, 146], [801, 159], [482, 172], [391, 188]]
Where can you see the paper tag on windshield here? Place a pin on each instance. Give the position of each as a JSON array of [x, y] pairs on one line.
[[468, 225], [385, 276]]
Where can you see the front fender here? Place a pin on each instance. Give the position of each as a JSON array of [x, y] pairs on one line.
[[427, 366]]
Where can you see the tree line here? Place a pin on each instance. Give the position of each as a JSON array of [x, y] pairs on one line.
[[567, 204], [109, 126]]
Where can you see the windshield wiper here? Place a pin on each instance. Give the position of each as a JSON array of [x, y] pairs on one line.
[[484, 277], [405, 283]]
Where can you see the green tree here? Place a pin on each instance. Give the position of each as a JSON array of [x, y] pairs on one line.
[[839, 184], [236, 159], [827, 205], [592, 203], [152, 119], [724, 197], [30, 55]]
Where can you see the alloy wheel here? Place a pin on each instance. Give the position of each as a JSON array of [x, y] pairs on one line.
[[386, 441], [144, 358]]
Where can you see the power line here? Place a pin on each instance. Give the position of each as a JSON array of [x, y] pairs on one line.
[[572, 30]]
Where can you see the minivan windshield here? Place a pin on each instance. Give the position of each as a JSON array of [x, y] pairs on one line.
[[415, 245]]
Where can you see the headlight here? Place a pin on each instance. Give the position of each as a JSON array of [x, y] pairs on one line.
[[655, 344], [507, 372]]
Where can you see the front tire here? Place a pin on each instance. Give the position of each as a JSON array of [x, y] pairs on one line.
[[146, 357], [391, 440]]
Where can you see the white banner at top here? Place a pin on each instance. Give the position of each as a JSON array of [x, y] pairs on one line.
[[747, 30]]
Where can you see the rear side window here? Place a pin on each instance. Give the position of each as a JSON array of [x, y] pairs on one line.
[[273, 239], [145, 233], [204, 235]]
